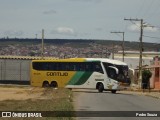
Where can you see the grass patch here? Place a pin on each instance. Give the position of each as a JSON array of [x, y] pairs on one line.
[[51, 100]]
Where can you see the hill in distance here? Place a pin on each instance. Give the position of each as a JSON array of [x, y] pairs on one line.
[[129, 46]]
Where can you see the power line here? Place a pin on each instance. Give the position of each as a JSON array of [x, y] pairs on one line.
[[134, 23], [158, 27], [117, 33]]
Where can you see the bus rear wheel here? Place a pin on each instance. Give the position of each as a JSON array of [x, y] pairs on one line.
[[54, 84], [100, 87], [45, 84]]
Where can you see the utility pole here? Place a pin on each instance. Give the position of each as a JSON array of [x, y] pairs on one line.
[[122, 45], [36, 36], [42, 49], [113, 51], [140, 50]]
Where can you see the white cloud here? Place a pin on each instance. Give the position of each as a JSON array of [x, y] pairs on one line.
[[136, 27], [63, 30], [66, 30]]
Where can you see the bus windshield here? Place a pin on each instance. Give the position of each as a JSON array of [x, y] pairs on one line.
[[122, 75]]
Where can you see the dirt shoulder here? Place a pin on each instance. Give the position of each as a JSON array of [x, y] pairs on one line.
[[35, 98], [19, 93], [14, 92]]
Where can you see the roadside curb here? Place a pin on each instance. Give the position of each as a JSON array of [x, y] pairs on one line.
[[153, 96], [151, 93]]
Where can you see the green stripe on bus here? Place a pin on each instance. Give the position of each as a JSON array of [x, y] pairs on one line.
[[80, 78], [84, 78], [75, 78]]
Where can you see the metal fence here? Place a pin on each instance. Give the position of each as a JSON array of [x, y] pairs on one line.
[[12, 70]]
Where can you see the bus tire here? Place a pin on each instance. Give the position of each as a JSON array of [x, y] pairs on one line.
[[113, 91], [100, 87], [54, 84], [45, 84]]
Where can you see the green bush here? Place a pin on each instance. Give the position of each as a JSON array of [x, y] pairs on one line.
[[146, 75]]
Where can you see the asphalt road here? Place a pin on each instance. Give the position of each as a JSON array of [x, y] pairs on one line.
[[91, 100]]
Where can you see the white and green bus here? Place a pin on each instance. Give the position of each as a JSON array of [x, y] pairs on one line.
[[85, 73]]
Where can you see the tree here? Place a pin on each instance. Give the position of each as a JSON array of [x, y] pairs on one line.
[[146, 75]]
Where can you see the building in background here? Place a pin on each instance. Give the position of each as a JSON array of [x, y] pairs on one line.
[[156, 72]]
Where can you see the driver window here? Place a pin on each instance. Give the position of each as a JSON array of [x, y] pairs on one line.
[[112, 73]]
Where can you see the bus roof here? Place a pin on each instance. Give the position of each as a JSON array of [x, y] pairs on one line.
[[116, 62]]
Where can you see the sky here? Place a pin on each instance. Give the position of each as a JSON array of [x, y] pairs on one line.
[[80, 19]]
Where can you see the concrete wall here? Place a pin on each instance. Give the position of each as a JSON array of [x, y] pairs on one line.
[[16, 70]]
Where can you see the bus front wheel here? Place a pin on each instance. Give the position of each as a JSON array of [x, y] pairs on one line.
[[100, 87], [113, 91]]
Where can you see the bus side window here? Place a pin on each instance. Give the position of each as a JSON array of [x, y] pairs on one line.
[[61, 66], [54, 66], [51, 66], [40, 65], [81, 67], [45, 66], [35, 66], [66, 66], [73, 66], [88, 67]]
